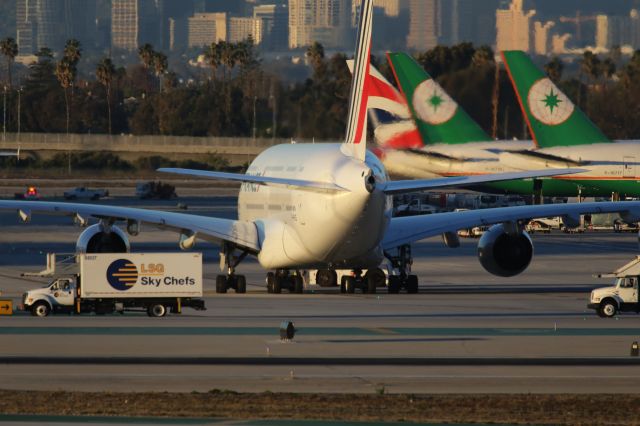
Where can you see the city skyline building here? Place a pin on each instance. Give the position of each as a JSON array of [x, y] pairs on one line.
[[275, 26], [135, 22], [424, 24], [240, 29], [513, 27], [207, 28]]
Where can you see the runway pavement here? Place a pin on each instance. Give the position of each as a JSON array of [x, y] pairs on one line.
[[466, 331]]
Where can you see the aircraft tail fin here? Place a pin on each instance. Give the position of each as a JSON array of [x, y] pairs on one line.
[[552, 118], [438, 117], [356, 139]]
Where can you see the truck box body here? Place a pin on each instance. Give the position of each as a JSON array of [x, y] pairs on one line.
[[140, 275]]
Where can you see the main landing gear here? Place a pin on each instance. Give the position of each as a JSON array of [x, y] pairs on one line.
[[402, 262], [367, 283], [229, 261], [283, 279]]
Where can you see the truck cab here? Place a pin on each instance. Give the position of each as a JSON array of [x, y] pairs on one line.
[[58, 295], [623, 296]]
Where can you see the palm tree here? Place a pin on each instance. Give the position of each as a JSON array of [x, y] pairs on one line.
[[105, 72], [554, 69], [72, 54], [66, 75], [73, 51], [9, 48], [213, 56], [146, 54], [160, 66]]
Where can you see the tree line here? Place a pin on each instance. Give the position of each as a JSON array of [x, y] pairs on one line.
[[238, 97]]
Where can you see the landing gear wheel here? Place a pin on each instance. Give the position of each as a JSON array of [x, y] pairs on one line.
[[326, 278], [298, 284], [412, 284], [277, 285], [157, 310], [241, 284], [375, 278], [343, 287], [221, 284], [271, 279], [394, 284], [608, 309], [40, 309], [350, 285]]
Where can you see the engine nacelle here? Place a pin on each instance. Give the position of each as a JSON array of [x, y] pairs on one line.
[[505, 254], [99, 238]]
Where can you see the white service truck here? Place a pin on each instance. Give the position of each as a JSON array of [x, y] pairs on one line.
[[115, 282], [623, 296]]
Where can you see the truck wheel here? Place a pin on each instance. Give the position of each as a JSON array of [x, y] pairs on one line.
[[394, 284], [608, 308], [40, 309], [298, 284], [343, 288], [157, 310], [241, 284]]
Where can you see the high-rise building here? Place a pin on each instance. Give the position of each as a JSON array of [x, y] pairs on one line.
[[424, 25], [618, 30], [315, 20], [207, 28], [26, 27], [49, 23], [513, 27], [136, 22], [542, 41], [240, 29], [274, 25], [391, 7]]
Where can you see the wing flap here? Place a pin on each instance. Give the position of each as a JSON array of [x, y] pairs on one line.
[[405, 186], [405, 230], [242, 233]]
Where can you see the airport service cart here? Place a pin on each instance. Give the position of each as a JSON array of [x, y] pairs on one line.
[[621, 297], [115, 282]]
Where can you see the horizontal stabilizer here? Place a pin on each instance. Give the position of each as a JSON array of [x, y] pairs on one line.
[[259, 180], [405, 186], [527, 159]]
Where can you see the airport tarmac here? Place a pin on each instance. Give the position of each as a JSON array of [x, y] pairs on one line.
[[467, 331]]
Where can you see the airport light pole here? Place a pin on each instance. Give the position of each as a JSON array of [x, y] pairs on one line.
[[19, 100], [4, 116], [255, 99], [274, 110]]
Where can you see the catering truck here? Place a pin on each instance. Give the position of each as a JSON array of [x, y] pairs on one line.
[[116, 282], [621, 297]]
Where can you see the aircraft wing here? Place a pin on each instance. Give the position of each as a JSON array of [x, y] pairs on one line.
[[244, 234], [405, 230], [259, 180], [405, 186]]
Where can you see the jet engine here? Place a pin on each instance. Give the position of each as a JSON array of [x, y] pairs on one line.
[[101, 238], [503, 253]]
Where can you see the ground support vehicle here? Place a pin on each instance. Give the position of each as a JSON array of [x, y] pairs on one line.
[[155, 190], [82, 193], [623, 296], [116, 282]]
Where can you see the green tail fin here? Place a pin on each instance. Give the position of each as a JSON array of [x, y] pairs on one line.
[[438, 117], [552, 118]]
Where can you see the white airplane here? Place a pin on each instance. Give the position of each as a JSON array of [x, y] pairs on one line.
[[326, 206]]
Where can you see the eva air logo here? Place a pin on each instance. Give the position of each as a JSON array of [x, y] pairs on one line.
[[548, 104], [432, 104]]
